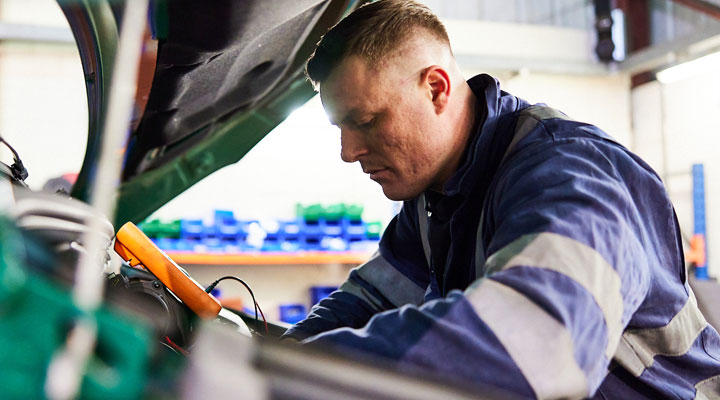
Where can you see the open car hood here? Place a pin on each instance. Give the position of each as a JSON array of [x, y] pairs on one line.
[[215, 78]]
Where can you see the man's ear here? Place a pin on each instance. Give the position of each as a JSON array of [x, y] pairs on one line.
[[438, 84]]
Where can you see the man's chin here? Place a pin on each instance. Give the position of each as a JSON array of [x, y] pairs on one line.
[[399, 194]]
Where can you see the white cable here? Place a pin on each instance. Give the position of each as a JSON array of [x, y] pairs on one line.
[[68, 365], [65, 209]]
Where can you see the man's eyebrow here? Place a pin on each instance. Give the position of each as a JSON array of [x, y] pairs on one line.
[[351, 113]]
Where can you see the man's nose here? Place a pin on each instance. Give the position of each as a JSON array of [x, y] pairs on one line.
[[352, 145]]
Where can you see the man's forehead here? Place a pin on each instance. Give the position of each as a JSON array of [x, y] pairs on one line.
[[349, 89], [339, 110]]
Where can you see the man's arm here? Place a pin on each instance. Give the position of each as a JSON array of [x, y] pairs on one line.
[[394, 276], [567, 271]]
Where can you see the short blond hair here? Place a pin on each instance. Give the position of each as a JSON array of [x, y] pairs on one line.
[[372, 32]]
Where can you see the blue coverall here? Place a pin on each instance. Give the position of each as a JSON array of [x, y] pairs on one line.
[[551, 265]]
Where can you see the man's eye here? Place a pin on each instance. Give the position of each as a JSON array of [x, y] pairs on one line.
[[366, 124]]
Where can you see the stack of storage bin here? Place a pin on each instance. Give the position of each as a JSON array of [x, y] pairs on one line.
[[336, 227]]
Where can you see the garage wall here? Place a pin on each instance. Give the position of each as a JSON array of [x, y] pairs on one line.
[[676, 125], [273, 285], [43, 107], [529, 63], [600, 100]]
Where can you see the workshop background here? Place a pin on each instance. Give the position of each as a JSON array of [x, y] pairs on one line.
[[541, 50]]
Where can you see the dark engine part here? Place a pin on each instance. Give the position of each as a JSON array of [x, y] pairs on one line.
[[141, 293]]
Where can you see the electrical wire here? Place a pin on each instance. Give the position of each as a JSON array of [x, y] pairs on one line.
[[257, 306], [18, 169], [15, 154], [175, 347]]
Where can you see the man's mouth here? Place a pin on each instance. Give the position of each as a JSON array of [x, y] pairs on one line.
[[376, 173], [371, 170]]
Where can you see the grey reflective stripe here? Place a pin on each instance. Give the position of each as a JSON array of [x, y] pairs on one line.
[[578, 262], [423, 226], [480, 247], [638, 347], [390, 282], [540, 346], [352, 288], [528, 119], [708, 389]]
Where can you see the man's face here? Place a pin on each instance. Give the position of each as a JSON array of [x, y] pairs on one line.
[[388, 123]]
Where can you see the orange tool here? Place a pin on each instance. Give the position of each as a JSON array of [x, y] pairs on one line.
[[696, 254], [137, 249]]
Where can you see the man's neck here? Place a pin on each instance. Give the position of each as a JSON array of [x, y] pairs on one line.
[[464, 123]]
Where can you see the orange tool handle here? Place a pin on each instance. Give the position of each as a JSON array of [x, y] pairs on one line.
[[136, 248]]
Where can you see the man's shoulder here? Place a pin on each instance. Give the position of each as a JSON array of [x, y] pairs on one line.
[[540, 124], [548, 142]]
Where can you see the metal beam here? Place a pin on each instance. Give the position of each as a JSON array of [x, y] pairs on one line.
[[505, 63], [667, 53], [702, 6]]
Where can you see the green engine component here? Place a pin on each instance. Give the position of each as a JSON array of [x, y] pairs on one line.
[[35, 317]]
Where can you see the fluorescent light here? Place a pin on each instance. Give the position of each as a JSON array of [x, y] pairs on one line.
[[685, 70]]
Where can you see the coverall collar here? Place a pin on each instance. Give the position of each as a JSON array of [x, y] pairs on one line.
[[495, 111]]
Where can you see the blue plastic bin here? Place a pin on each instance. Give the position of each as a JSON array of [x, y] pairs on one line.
[[354, 230], [228, 230], [224, 216], [292, 313], [166, 244], [318, 293], [191, 229], [332, 228], [289, 231]]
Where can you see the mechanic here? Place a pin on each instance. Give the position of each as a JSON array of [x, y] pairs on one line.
[[532, 251]]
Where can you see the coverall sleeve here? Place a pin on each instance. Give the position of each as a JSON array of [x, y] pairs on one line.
[[566, 272], [394, 276]]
